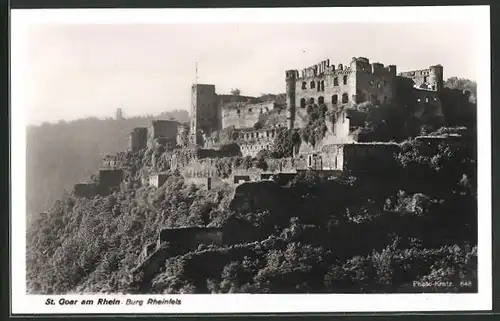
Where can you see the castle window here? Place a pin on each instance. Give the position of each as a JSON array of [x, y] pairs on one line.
[[303, 103], [313, 84], [418, 100], [319, 86], [425, 78], [309, 160], [345, 98], [238, 111], [322, 85], [345, 80], [321, 100], [426, 99], [335, 99], [311, 100], [335, 81], [304, 85]]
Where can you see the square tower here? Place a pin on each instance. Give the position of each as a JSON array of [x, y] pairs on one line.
[[205, 110]]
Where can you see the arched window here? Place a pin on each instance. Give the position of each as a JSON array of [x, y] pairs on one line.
[[335, 81], [304, 85], [321, 100], [313, 84], [249, 110], [345, 98], [319, 85], [345, 80], [303, 103], [322, 85], [311, 101], [335, 99]]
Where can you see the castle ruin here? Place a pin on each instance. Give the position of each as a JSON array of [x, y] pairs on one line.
[[255, 122]]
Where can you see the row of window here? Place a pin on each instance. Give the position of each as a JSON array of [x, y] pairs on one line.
[[254, 147], [320, 85], [266, 134], [266, 109], [321, 100], [427, 99]]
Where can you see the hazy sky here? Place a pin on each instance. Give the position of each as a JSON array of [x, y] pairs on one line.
[[74, 71]]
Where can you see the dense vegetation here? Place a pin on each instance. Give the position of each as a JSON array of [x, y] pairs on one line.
[[405, 230]]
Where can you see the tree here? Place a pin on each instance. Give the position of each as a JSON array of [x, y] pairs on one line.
[[235, 91]]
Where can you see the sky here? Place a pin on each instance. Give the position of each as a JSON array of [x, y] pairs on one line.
[[73, 71]]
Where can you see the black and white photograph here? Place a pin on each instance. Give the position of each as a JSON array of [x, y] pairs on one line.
[[231, 159]]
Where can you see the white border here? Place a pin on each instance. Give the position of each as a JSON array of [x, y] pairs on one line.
[[242, 303]]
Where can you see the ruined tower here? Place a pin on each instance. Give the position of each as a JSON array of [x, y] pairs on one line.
[[291, 78], [205, 111], [436, 77]]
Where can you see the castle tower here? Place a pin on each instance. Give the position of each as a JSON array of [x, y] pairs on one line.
[[436, 77], [119, 114], [205, 110], [291, 78]]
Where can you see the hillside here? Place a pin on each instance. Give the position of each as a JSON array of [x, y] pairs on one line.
[[406, 231], [61, 154], [412, 228]]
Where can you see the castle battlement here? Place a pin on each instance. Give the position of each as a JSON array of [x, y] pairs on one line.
[[360, 64]]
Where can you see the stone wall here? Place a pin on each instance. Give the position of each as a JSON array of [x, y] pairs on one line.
[[339, 131], [113, 161], [252, 197], [375, 83], [427, 105], [342, 85], [179, 241], [244, 115], [353, 157], [430, 78], [429, 145], [182, 240], [181, 157], [158, 180], [164, 129], [369, 156], [87, 190], [199, 168], [110, 178]]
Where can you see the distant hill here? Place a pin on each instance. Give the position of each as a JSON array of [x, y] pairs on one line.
[[61, 154]]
